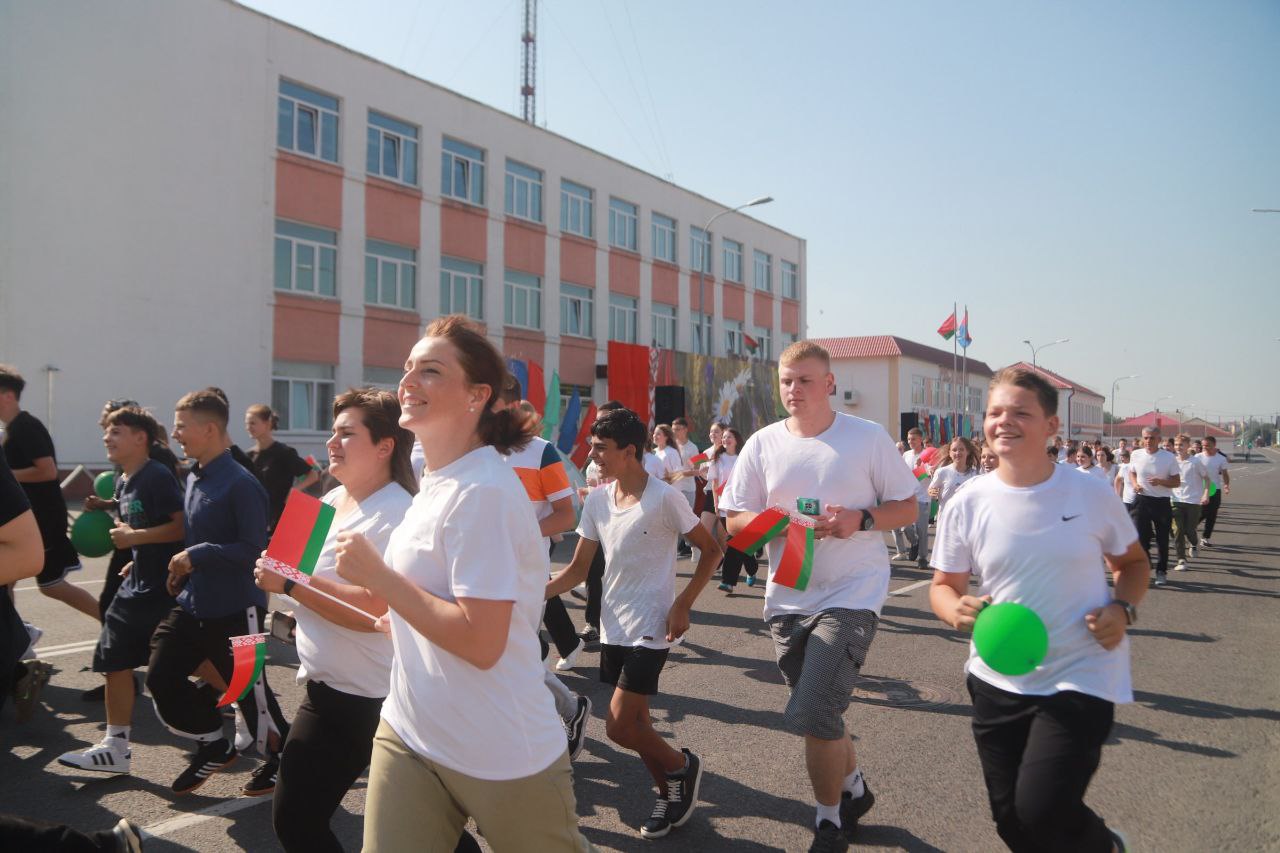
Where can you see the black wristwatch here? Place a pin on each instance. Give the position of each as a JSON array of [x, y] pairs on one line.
[[1130, 612], [289, 584], [868, 521]]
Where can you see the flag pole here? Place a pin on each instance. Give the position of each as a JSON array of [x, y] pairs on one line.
[[964, 370], [334, 599], [955, 339]]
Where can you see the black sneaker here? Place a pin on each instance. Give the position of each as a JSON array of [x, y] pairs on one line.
[[576, 729], [852, 808], [828, 838], [127, 836], [209, 759], [589, 635], [681, 799], [262, 780], [1162, 578], [914, 553]]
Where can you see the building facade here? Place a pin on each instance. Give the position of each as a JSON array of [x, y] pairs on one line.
[[200, 194]]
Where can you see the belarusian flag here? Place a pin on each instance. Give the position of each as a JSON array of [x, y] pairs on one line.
[[948, 328], [299, 536], [921, 472], [752, 343], [763, 527], [796, 564], [699, 458], [249, 654]]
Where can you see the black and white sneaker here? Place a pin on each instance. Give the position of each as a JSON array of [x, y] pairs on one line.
[[682, 797], [209, 759], [262, 780], [111, 755], [128, 837], [1162, 578], [576, 729], [589, 635], [853, 808], [828, 838]]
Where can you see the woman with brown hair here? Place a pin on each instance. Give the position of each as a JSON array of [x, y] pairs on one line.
[[276, 465]]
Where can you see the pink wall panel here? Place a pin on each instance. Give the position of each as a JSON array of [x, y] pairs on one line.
[[306, 329], [308, 191]]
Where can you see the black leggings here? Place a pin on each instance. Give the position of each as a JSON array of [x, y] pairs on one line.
[[20, 833], [735, 561], [1038, 755], [558, 623], [595, 587], [1210, 514]]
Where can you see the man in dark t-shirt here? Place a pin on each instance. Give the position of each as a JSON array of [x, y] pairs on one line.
[[21, 554], [28, 448]]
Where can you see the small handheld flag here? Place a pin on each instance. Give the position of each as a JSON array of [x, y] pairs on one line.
[[249, 655], [699, 458], [796, 565]]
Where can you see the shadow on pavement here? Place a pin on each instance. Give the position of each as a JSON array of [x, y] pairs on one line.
[[1172, 635], [879, 835], [1123, 731], [1199, 708]]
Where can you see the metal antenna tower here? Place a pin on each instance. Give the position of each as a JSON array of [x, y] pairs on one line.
[[530, 39]]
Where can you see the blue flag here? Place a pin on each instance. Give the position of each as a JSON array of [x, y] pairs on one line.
[[569, 424], [962, 334], [520, 371]]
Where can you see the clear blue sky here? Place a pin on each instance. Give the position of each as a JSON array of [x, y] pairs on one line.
[[1070, 170]]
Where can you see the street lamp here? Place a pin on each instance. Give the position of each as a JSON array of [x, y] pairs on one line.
[[703, 331], [1155, 407], [1113, 402], [1179, 412], [1036, 349]]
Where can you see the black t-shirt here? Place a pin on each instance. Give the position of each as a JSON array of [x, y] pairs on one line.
[[13, 637], [165, 457], [148, 499], [26, 440], [276, 468]]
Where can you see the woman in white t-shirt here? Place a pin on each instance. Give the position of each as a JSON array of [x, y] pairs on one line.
[[718, 471], [1085, 462], [664, 447], [468, 729], [962, 468], [1033, 533], [344, 662], [990, 461]]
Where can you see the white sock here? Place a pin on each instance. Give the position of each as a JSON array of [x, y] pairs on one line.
[[831, 813], [121, 732], [853, 783]]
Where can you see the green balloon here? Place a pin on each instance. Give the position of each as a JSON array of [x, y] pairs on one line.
[[104, 485], [1213, 488], [91, 533], [1010, 638]]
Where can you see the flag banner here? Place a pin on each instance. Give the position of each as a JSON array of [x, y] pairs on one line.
[[751, 343], [536, 392], [921, 472], [248, 655], [796, 564], [948, 328], [299, 537], [580, 446], [520, 370], [699, 458], [962, 334], [763, 528], [551, 417], [569, 426]]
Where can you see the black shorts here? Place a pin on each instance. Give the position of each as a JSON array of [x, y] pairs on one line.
[[59, 558], [634, 669], [125, 640]]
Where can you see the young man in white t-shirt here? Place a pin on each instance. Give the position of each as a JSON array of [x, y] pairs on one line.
[[636, 520], [917, 532], [1187, 499], [1216, 464], [845, 474], [1153, 473], [688, 484], [1034, 534]]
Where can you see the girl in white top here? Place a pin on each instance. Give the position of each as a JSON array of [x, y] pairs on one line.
[[990, 461], [468, 729], [664, 447], [1034, 533], [1105, 461], [718, 472], [1123, 486], [708, 517], [1085, 463], [962, 469], [345, 662]]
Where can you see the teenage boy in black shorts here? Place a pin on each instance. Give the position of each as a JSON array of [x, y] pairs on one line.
[[149, 501], [28, 448], [636, 521]]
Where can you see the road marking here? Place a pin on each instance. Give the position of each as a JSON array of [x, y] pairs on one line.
[[906, 589], [73, 583], [59, 647], [177, 824], [87, 646]]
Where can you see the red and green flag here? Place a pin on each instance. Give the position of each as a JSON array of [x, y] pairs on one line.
[[751, 343], [249, 655], [796, 565], [948, 328], [921, 472], [699, 458], [299, 536], [762, 529]]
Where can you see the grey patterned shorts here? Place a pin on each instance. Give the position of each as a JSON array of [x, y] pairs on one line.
[[820, 657]]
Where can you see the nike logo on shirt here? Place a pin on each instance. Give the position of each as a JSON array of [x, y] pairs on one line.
[[1069, 517]]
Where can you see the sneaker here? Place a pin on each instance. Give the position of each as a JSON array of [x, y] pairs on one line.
[[33, 636], [922, 563], [1205, 543], [576, 729], [589, 635], [208, 759], [567, 662], [828, 838], [1117, 837], [1162, 578], [724, 587], [914, 553], [682, 797], [1191, 552], [26, 690], [853, 808], [111, 755], [244, 736], [751, 580], [262, 780], [1181, 567], [899, 556], [128, 836]]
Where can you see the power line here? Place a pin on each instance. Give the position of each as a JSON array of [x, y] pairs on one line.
[[626, 66]]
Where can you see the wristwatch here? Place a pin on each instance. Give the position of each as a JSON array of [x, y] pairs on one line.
[[1130, 612], [289, 584], [868, 520]]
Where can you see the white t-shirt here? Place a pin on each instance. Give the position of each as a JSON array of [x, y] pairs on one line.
[[718, 471], [671, 463], [1215, 465], [1122, 474], [470, 534], [1161, 464], [913, 462], [355, 662], [1193, 488], [1041, 546], [853, 464], [418, 459], [687, 451], [639, 584], [949, 478], [653, 466], [1095, 470]]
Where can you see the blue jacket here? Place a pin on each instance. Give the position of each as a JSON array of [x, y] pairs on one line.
[[226, 525]]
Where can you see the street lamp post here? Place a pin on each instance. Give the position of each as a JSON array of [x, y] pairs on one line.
[[1036, 349], [704, 333], [1113, 402]]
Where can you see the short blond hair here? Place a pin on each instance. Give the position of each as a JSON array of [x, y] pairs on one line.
[[800, 350]]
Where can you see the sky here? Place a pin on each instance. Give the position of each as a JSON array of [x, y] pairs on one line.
[[1080, 170]]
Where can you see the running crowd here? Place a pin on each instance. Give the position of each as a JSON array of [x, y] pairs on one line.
[[418, 632]]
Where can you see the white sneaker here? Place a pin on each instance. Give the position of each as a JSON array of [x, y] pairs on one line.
[[1191, 552], [1205, 543], [567, 662], [110, 756], [244, 737], [1181, 567], [898, 556], [34, 634]]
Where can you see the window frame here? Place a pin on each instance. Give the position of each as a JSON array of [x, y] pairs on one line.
[[664, 316], [756, 257], [304, 98], [665, 234], [402, 259], [790, 273], [624, 311], [706, 245], [523, 175], [582, 199], [764, 337], [583, 300], [472, 158], [530, 293], [319, 249], [695, 338], [624, 224], [732, 272], [734, 344], [323, 390], [403, 135], [471, 275]]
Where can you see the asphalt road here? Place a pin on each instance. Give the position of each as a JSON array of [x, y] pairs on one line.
[[1193, 764]]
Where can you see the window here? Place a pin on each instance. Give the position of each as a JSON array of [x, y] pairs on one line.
[[917, 390], [764, 271], [302, 395], [623, 311], [386, 378], [732, 261], [524, 191], [576, 310], [461, 288], [577, 209], [790, 280], [391, 151], [764, 344], [390, 275], [700, 325], [307, 122], [664, 326], [523, 300], [664, 238], [733, 343], [306, 259], [700, 250], [624, 218], [462, 172]]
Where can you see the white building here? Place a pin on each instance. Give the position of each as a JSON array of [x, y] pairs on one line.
[[195, 193]]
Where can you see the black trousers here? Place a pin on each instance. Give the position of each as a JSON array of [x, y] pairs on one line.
[[1038, 756], [595, 587], [558, 623], [735, 561], [120, 557], [27, 834], [1155, 518], [1210, 513]]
